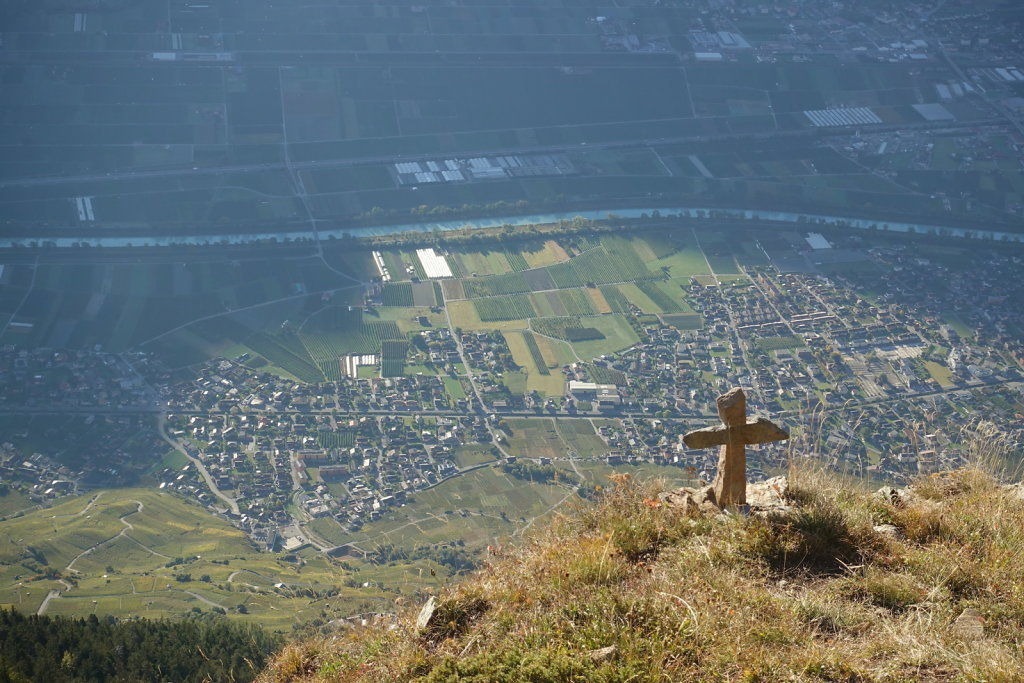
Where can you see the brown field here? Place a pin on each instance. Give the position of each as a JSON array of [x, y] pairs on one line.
[[600, 303], [550, 254], [644, 250], [452, 289]]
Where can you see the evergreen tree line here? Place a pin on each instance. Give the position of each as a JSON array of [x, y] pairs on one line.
[[528, 471], [66, 650]]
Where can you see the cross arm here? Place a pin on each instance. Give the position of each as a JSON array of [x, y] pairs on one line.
[[761, 430]]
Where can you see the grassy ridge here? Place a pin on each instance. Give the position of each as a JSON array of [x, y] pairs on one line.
[[629, 589]]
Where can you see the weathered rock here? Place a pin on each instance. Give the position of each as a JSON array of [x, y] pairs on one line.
[[690, 498], [770, 493], [764, 497], [426, 614], [895, 496], [889, 530], [602, 654], [730, 486], [969, 625], [1016, 491]]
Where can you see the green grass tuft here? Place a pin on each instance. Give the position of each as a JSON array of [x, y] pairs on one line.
[[624, 588]]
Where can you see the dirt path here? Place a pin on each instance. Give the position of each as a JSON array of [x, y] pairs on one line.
[[201, 599], [88, 506], [28, 292], [127, 527], [46, 602]]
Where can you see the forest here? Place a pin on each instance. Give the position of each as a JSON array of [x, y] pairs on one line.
[[61, 650]]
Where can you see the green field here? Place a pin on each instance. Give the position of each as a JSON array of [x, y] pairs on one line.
[[504, 308], [674, 254], [618, 335], [482, 507], [580, 437], [535, 439], [940, 373], [113, 549]]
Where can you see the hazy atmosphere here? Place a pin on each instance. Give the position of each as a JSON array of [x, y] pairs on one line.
[[313, 311]]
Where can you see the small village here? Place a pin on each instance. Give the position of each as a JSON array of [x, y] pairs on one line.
[[878, 384]]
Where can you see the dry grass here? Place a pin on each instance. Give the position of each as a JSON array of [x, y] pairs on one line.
[[814, 596]]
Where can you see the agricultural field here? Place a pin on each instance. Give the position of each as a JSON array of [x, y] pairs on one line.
[[485, 506], [473, 264], [298, 319], [495, 285], [541, 359], [613, 260], [120, 306], [535, 439], [302, 335], [464, 316], [396, 294], [676, 254], [581, 438], [504, 308], [617, 334], [392, 358], [547, 254], [566, 329], [137, 552], [337, 330], [474, 454], [526, 353]]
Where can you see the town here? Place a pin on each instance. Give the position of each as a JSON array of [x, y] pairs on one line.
[[878, 382]]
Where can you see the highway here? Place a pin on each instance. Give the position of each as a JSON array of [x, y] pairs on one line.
[[299, 165]]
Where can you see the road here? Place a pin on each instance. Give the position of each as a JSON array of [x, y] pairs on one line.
[[733, 327], [210, 483], [293, 166], [28, 292], [496, 436], [517, 414], [46, 602]]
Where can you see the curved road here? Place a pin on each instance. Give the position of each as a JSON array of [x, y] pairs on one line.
[[210, 483]]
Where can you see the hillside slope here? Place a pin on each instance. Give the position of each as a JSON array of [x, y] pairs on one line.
[[924, 584]]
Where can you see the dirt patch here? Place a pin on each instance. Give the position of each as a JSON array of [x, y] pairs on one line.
[[452, 289]]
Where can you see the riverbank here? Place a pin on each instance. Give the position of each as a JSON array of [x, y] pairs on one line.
[[428, 227]]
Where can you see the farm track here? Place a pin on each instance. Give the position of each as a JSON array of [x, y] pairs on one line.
[[21, 304], [200, 598], [239, 310], [127, 527], [54, 594], [88, 506]]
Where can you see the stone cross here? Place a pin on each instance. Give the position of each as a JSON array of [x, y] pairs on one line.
[[734, 436]]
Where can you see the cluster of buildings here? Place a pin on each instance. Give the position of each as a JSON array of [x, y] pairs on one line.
[[52, 378], [475, 169], [284, 468], [881, 375]]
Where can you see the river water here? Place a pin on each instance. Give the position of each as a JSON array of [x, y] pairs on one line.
[[426, 227]]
